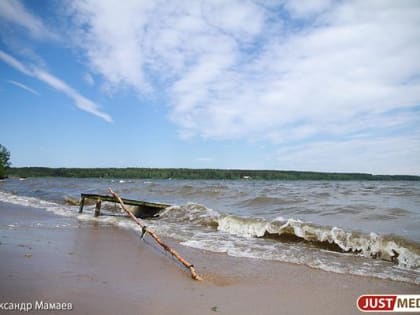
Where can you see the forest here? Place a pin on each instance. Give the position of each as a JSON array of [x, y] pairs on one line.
[[187, 173]]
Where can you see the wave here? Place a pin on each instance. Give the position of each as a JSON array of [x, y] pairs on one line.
[[391, 248], [191, 213], [34, 202], [206, 191], [262, 201], [189, 190]]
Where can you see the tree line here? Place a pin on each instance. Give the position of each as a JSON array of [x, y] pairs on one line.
[[4, 161], [186, 173]]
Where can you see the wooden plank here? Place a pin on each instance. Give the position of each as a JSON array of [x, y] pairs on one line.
[[130, 202], [141, 209]]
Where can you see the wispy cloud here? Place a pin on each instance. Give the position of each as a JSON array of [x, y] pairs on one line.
[[14, 12], [23, 86], [13, 62], [80, 101]]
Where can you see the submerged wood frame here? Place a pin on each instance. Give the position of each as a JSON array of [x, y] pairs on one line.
[[145, 209]]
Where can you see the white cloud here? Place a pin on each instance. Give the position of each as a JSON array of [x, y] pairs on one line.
[[12, 11], [113, 39], [14, 63], [231, 71], [23, 86], [80, 101], [240, 19]]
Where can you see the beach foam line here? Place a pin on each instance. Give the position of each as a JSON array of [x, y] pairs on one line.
[[37, 203]]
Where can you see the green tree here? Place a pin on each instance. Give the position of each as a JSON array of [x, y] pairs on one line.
[[4, 161]]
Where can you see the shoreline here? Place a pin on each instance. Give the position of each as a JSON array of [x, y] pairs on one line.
[[104, 269]]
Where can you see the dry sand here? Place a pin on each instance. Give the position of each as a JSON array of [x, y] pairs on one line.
[[106, 270]]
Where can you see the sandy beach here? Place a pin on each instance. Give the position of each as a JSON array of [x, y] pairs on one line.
[[106, 270]]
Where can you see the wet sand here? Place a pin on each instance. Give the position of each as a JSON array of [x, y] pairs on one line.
[[105, 270]]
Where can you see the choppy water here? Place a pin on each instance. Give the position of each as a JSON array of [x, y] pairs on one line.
[[357, 227]]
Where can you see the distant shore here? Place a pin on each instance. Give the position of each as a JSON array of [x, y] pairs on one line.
[[101, 269], [186, 173]]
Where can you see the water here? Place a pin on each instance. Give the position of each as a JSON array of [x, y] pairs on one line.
[[357, 227]]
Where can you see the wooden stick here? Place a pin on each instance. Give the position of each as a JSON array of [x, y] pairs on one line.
[[145, 229]]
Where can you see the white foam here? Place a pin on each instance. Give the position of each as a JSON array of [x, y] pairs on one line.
[[242, 226]]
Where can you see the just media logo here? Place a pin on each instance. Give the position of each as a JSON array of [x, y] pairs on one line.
[[389, 303]]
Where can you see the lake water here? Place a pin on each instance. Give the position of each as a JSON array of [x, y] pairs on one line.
[[366, 228]]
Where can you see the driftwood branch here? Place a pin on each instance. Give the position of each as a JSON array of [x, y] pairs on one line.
[[145, 229]]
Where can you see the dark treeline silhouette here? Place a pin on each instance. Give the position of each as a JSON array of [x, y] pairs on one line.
[[186, 173]]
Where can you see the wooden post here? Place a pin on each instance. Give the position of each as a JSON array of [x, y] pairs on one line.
[[82, 203], [98, 208], [145, 229]]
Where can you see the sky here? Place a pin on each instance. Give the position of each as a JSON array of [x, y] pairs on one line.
[[313, 85]]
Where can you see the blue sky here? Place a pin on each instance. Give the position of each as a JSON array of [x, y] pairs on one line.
[[297, 85]]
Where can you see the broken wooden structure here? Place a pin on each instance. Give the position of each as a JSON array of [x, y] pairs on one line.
[[140, 209]]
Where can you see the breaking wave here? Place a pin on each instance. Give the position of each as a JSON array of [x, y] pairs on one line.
[[402, 252], [389, 248]]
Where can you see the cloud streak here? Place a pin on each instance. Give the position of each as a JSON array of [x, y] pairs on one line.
[[24, 87], [80, 101], [14, 12]]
